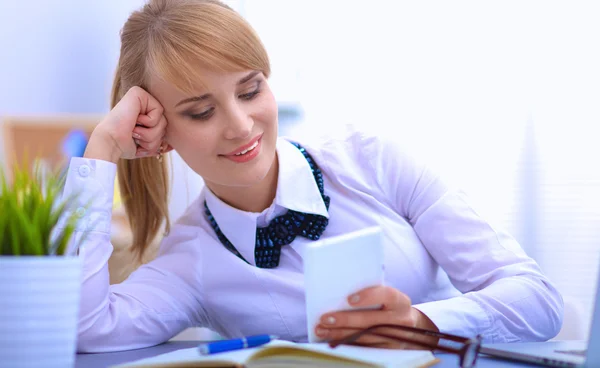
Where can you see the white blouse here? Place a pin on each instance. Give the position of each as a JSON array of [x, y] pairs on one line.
[[466, 275]]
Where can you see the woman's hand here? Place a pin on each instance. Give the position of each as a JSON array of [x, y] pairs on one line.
[[134, 128], [396, 309]]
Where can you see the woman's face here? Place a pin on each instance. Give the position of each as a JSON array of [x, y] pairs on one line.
[[226, 130]]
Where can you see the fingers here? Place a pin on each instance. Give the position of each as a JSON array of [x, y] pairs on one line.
[[150, 140], [149, 121], [384, 338], [147, 138], [135, 126], [388, 297], [364, 319], [396, 310], [150, 110], [148, 148]]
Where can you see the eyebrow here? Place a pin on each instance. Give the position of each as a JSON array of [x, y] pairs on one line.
[[207, 95]]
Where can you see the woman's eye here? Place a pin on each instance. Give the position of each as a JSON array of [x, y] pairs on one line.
[[205, 115], [249, 95]]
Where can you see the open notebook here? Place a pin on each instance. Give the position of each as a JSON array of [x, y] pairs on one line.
[[287, 354]]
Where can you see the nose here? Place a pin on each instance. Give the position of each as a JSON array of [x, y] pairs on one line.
[[239, 123]]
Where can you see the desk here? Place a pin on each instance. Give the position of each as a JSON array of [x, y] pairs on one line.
[[107, 359]]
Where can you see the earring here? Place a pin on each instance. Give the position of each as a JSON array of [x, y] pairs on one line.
[[159, 157]]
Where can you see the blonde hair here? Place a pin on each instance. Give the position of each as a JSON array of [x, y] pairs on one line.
[[170, 39]]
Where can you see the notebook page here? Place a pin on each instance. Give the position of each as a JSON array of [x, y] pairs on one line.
[[192, 355], [382, 357]]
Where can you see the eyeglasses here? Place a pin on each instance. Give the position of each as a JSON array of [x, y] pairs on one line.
[[468, 352]]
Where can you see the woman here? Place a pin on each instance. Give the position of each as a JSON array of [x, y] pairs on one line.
[[193, 77]]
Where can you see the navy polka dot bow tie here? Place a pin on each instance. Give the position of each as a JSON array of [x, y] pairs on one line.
[[282, 230]]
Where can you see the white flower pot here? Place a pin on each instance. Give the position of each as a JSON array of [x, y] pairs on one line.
[[39, 310]]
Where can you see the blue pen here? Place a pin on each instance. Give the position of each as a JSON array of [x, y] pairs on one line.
[[234, 344]]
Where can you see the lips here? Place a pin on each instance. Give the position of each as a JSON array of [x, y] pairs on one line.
[[247, 152], [245, 147]]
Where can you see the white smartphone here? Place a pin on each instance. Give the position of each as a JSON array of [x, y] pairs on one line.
[[337, 267]]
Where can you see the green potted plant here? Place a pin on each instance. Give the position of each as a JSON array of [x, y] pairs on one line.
[[39, 281]]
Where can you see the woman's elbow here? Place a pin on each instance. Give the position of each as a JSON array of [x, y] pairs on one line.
[[95, 343], [109, 332]]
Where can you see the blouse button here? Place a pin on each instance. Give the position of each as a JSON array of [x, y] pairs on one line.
[[80, 212], [84, 170]]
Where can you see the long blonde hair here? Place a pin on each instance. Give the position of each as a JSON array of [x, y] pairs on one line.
[[170, 39]]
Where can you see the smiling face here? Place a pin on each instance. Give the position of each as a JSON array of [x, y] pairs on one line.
[[226, 130]]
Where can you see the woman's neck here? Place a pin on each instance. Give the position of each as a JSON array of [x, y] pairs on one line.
[[250, 199]]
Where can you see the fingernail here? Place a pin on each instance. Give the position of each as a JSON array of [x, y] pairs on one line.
[[322, 332], [135, 135], [354, 299], [330, 320]]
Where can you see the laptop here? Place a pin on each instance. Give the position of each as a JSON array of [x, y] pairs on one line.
[[574, 354]]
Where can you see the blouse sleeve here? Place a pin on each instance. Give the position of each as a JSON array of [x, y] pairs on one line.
[[156, 302], [505, 297]]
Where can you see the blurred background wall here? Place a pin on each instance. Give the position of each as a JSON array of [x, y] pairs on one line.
[[501, 97]]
